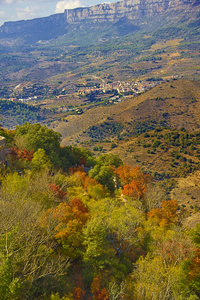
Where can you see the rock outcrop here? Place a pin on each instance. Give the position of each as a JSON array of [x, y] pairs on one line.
[[130, 9], [136, 11]]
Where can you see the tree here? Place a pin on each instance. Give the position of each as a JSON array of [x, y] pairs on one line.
[[109, 160], [35, 136], [122, 224], [166, 214], [28, 262], [133, 181], [67, 221], [104, 175], [98, 292], [67, 157], [40, 160], [192, 270], [154, 280], [195, 234], [95, 242], [84, 156]]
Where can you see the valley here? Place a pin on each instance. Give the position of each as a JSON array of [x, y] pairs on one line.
[[100, 153]]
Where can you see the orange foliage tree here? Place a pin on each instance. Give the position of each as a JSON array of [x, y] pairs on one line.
[[133, 181], [78, 291], [98, 293], [91, 185], [192, 269], [67, 220], [166, 214]]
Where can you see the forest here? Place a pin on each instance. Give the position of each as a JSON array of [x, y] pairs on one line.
[[75, 226], [17, 113]]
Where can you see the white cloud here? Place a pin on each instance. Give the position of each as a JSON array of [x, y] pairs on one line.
[[24, 1], [68, 4], [27, 12], [7, 1]]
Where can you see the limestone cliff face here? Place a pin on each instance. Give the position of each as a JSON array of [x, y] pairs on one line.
[[131, 9], [137, 11]]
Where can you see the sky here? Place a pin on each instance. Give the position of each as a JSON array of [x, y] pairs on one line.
[[13, 10]]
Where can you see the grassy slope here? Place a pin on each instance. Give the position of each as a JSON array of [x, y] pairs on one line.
[[180, 99]]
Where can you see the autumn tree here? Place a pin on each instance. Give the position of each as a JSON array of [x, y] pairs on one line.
[[98, 293], [133, 181], [22, 154], [90, 185], [28, 262], [192, 270], [67, 221], [166, 214]]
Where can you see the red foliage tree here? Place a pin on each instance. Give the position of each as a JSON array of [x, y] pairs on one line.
[[82, 161], [57, 192], [73, 170], [78, 293], [22, 154]]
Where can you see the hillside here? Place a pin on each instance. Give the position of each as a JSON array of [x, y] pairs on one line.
[[173, 104], [157, 131]]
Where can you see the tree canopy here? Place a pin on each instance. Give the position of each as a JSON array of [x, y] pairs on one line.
[[66, 234]]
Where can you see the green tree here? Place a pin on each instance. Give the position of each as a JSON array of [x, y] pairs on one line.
[[104, 175], [35, 136], [40, 160], [122, 223], [109, 160]]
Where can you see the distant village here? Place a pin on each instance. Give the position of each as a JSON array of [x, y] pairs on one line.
[[122, 87], [116, 87]]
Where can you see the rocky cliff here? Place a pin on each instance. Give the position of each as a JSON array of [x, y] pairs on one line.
[[131, 9], [135, 11]]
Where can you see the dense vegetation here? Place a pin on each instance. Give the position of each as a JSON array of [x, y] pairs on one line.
[[69, 231], [17, 113], [105, 130]]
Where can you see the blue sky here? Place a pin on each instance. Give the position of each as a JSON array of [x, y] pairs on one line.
[[12, 10]]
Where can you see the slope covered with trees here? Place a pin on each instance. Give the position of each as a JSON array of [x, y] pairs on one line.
[[78, 227]]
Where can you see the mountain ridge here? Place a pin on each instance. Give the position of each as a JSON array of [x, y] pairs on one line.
[[138, 12]]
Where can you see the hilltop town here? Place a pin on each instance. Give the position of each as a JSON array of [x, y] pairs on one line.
[[122, 87]]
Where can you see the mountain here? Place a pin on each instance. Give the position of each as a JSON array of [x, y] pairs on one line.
[[127, 39], [120, 18]]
